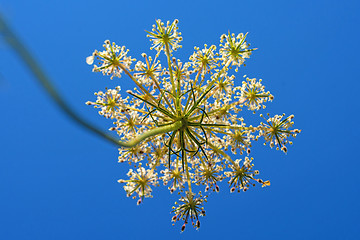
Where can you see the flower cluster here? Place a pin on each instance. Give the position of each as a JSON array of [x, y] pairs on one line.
[[165, 38], [112, 58], [276, 131], [253, 94], [189, 207], [109, 102], [140, 182], [203, 60], [234, 49], [181, 125], [240, 176]]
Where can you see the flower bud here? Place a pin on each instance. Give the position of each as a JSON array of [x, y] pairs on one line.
[[183, 227]]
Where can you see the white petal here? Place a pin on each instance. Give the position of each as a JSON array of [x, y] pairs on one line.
[[90, 59]]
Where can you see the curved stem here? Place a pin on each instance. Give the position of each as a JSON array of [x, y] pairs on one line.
[[152, 132], [35, 68], [43, 79]]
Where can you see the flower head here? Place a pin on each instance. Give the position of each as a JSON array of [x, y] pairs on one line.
[[140, 182], [189, 208], [205, 59], [110, 102], [276, 131], [183, 120], [253, 95], [113, 59], [148, 71], [240, 139], [234, 49], [164, 37], [241, 175], [209, 174], [174, 175]]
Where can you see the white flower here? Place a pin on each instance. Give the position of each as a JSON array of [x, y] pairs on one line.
[[165, 36], [175, 175], [276, 131], [109, 102], [241, 175], [140, 182], [185, 123], [113, 59], [235, 49], [90, 59], [204, 59], [253, 95]]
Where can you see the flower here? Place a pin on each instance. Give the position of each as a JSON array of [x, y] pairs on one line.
[[133, 155], [151, 69], [189, 207], [242, 175], [234, 49], [109, 102], [209, 174], [180, 71], [174, 175], [165, 38], [205, 59], [276, 131], [252, 94], [140, 182], [113, 59], [224, 87], [240, 139], [182, 121]]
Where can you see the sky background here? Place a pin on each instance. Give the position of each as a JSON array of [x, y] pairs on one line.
[[59, 181]]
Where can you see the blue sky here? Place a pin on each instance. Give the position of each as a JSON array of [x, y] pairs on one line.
[[58, 181]]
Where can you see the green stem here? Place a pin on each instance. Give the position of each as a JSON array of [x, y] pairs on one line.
[[35, 68], [187, 173], [217, 110], [43, 79], [167, 51], [184, 159], [210, 85], [197, 75], [219, 74], [136, 82], [189, 99], [215, 149], [152, 132], [158, 86]]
